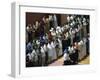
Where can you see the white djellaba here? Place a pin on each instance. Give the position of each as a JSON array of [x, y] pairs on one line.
[[27, 28], [66, 26], [82, 49], [60, 47], [58, 31], [53, 33], [43, 56], [71, 17], [45, 48], [66, 56], [50, 52], [55, 20], [71, 35], [62, 29], [68, 18], [34, 56], [42, 51], [50, 17], [54, 56], [71, 50], [29, 56]]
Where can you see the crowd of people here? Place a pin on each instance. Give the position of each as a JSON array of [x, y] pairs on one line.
[[46, 41]]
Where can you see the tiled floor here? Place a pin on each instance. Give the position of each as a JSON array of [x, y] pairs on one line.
[[59, 62], [85, 61]]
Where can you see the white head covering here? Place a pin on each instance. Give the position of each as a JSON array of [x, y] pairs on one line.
[[80, 43], [52, 44], [45, 48], [68, 18], [51, 29], [29, 55], [50, 17], [37, 42], [71, 17], [62, 29], [27, 28], [67, 26], [70, 49], [49, 46], [76, 30], [42, 51], [36, 23], [58, 27], [33, 54], [71, 24]]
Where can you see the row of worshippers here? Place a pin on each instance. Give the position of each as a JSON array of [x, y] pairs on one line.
[[41, 53], [76, 34], [57, 39], [75, 29], [44, 51], [42, 27], [73, 53]]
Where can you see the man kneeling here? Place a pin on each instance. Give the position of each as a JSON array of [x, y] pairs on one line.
[[67, 60]]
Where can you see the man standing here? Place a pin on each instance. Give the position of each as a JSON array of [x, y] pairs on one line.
[[29, 47], [46, 53], [43, 54]]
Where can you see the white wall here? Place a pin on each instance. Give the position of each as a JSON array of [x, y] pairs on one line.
[[5, 40]]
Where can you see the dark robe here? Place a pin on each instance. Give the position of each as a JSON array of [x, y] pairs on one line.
[[41, 29], [87, 46], [67, 62], [66, 44], [74, 57]]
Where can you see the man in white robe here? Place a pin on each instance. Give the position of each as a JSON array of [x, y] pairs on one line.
[[50, 52], [46, 53], [55, 21], [34, 57], [54, 56], [60, 47], [43, 56], [29, 56]]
